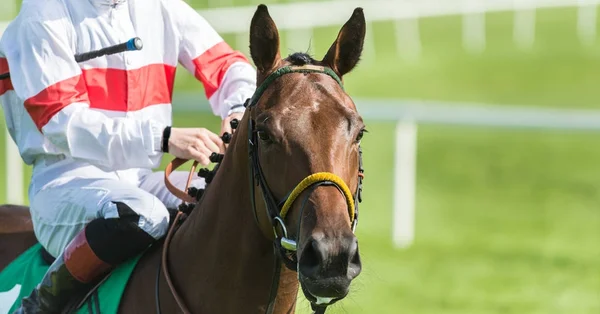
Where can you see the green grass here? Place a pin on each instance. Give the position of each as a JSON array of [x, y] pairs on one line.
[[508, 221], [557, 72]]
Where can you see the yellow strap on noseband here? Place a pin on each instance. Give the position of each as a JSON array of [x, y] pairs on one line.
[[316, 178]]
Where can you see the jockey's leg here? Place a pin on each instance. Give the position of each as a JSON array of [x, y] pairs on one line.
[[91, 228]]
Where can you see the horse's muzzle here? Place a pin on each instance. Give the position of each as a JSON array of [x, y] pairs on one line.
[[327, 266]]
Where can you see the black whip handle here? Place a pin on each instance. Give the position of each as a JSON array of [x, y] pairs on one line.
[[130, 45]]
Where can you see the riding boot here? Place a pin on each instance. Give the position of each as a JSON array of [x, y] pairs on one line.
[[73, 273], [98, 248]]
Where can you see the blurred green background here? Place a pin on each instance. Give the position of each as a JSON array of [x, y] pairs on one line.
[[507, 221]]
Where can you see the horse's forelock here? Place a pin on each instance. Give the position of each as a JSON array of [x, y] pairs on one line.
[[300, 58]]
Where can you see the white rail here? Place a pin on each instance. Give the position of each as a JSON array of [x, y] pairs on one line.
[[305, 16], [336, 12]]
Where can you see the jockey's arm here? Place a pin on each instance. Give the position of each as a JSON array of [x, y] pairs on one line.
[[227, 76], [49, 80]]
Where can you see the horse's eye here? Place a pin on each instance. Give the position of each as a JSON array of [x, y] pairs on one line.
[[263, 136], [360, 135]]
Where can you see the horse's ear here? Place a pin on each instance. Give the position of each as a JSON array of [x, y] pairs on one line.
[[345, 52], [264, 40]]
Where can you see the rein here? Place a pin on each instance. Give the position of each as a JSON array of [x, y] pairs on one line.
[[284, 247]]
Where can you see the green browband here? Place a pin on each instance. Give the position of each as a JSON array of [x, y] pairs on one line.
[[292, 69]]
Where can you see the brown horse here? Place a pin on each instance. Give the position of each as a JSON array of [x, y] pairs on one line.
[[16, 233], [301, 133]]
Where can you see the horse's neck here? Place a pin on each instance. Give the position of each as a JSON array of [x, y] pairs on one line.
[[219, 257]]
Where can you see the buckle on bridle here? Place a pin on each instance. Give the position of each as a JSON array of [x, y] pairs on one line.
[[286, 243]]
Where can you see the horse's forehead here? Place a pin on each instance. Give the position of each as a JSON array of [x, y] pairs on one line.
[[309, 96], [313, 115], [308, 105]]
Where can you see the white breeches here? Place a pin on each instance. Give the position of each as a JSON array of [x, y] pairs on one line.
[[60, 210]]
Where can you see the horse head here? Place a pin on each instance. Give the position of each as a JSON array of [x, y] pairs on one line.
[[304, 136]]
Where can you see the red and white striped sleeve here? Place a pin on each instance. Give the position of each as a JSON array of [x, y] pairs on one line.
[[226, 74], [46, 76]]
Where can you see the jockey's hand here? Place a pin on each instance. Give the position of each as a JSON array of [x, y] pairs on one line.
[[195, 143], [226, 125]]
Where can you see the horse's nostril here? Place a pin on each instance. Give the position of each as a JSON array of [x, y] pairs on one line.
[[311, 259], [354, 265]]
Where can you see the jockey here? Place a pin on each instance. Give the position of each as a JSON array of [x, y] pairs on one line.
[[93, 131]]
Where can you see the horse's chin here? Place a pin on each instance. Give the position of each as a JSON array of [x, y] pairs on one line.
[[317, 299]]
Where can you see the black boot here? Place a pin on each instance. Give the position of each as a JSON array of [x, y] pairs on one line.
[[98, 248], [53, 293], [71, 275]]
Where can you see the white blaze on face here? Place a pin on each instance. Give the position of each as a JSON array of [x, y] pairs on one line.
[[315, 106]]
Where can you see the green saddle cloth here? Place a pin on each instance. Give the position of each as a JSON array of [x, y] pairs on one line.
[[19, 278]]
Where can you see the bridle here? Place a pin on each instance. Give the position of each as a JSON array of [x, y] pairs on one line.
[[284, 247]]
